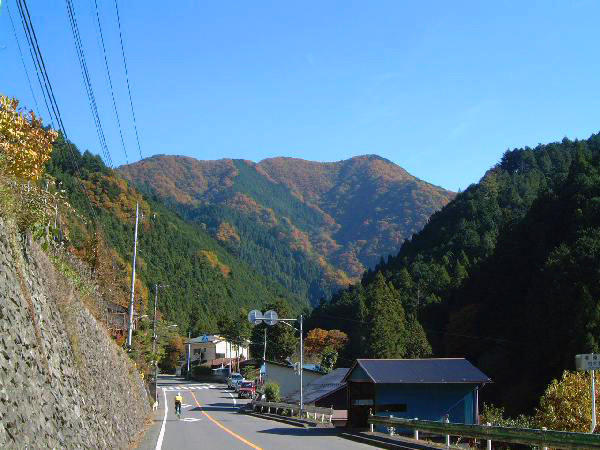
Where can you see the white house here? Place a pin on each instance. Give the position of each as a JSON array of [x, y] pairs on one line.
[[210, 348], [287, 378]]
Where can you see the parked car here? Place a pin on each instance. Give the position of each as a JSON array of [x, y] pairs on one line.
[[238, 383], [233, 378], [247, 390]]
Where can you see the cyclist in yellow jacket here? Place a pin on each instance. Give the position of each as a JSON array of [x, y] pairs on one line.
[[178, 400]]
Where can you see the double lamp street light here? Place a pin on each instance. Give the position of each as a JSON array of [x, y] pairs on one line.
[[271, 318]]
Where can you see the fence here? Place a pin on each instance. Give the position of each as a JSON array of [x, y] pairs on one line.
[[324, 414], [541, 438]]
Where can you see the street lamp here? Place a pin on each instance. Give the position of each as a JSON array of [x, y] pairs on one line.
[[271, 318]]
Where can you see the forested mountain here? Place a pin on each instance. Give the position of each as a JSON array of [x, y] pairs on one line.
[[205, 281], [507, 274], [313, 227]]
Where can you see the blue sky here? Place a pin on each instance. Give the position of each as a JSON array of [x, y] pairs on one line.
[[440, 88]]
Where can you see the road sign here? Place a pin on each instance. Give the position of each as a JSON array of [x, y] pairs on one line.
[[589, 361], [270, 317], [255, 317]]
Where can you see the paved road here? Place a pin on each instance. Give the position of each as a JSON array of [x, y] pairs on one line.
[[210, 420]]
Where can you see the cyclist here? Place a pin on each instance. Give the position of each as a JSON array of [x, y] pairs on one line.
[[178, 400]]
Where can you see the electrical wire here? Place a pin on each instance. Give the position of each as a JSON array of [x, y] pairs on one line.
[[12, 24], [127, 78], [466, 336], [112, 92], [87, 81], [47, 91], [36, 61]]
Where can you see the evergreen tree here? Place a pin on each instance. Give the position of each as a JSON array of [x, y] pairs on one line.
[[387, 327]]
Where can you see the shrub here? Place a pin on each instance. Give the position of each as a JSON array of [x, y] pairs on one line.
[[272, 392], [495, 415], [567, 403]]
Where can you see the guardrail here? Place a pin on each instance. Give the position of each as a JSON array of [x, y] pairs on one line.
[[325, 414], [542, 438]]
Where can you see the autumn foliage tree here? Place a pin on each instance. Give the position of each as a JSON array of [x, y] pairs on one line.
[[25, 146], [317, 340], [567, 403]]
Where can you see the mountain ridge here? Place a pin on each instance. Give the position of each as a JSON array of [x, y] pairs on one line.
[[337, 218]]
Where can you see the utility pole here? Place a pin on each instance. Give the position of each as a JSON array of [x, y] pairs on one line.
[[154, 344], [301, 366], [265, 348], [593, 427], [131, 304], [189, 353]]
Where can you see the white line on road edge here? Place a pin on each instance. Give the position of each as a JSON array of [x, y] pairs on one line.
[[162, 429], [232, 398]]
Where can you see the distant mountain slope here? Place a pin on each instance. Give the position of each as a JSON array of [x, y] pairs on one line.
[[205, 280], [314, 227]]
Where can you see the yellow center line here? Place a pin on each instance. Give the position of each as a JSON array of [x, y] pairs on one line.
[[223, 427]]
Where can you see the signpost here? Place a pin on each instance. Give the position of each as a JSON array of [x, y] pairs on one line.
[[591, 362]]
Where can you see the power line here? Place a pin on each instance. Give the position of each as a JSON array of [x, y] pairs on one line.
[[12, 24], [498, 340], [47, 90], [36, 62], [127, 78], [87, 81], [112, 93]]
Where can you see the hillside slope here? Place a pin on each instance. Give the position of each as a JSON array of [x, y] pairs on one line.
[[506, 274], [313, 226], [205, 280]]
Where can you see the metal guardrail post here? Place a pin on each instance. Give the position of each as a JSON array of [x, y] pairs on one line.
[[392, 429], [489, 441], [416, 431]]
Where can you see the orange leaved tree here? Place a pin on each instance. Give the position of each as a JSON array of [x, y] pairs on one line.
[[25, 145]]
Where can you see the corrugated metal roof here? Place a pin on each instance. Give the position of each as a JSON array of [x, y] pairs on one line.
[[335, 376], [435, 370], [322, 386]]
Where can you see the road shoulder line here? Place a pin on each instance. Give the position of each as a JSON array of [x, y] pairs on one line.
[[162, 428]]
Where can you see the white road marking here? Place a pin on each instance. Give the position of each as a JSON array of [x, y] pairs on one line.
[[190, 419], [162, 428], [187, 388], [232, 398]]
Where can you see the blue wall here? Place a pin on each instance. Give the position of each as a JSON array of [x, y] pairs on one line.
[[429, 401]]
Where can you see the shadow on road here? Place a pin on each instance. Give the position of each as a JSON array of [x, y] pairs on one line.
[[214, 407], [301, 431]]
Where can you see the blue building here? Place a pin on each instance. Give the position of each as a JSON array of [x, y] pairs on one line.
[[428, 389]]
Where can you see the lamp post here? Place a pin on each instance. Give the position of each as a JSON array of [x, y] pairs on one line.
[[271, 318]]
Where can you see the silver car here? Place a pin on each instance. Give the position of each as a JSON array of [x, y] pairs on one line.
[[234, 377]]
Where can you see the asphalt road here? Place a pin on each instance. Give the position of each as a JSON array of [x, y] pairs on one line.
[[210, 419]]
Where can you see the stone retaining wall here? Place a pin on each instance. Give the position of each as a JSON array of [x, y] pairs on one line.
[[63, 381]]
